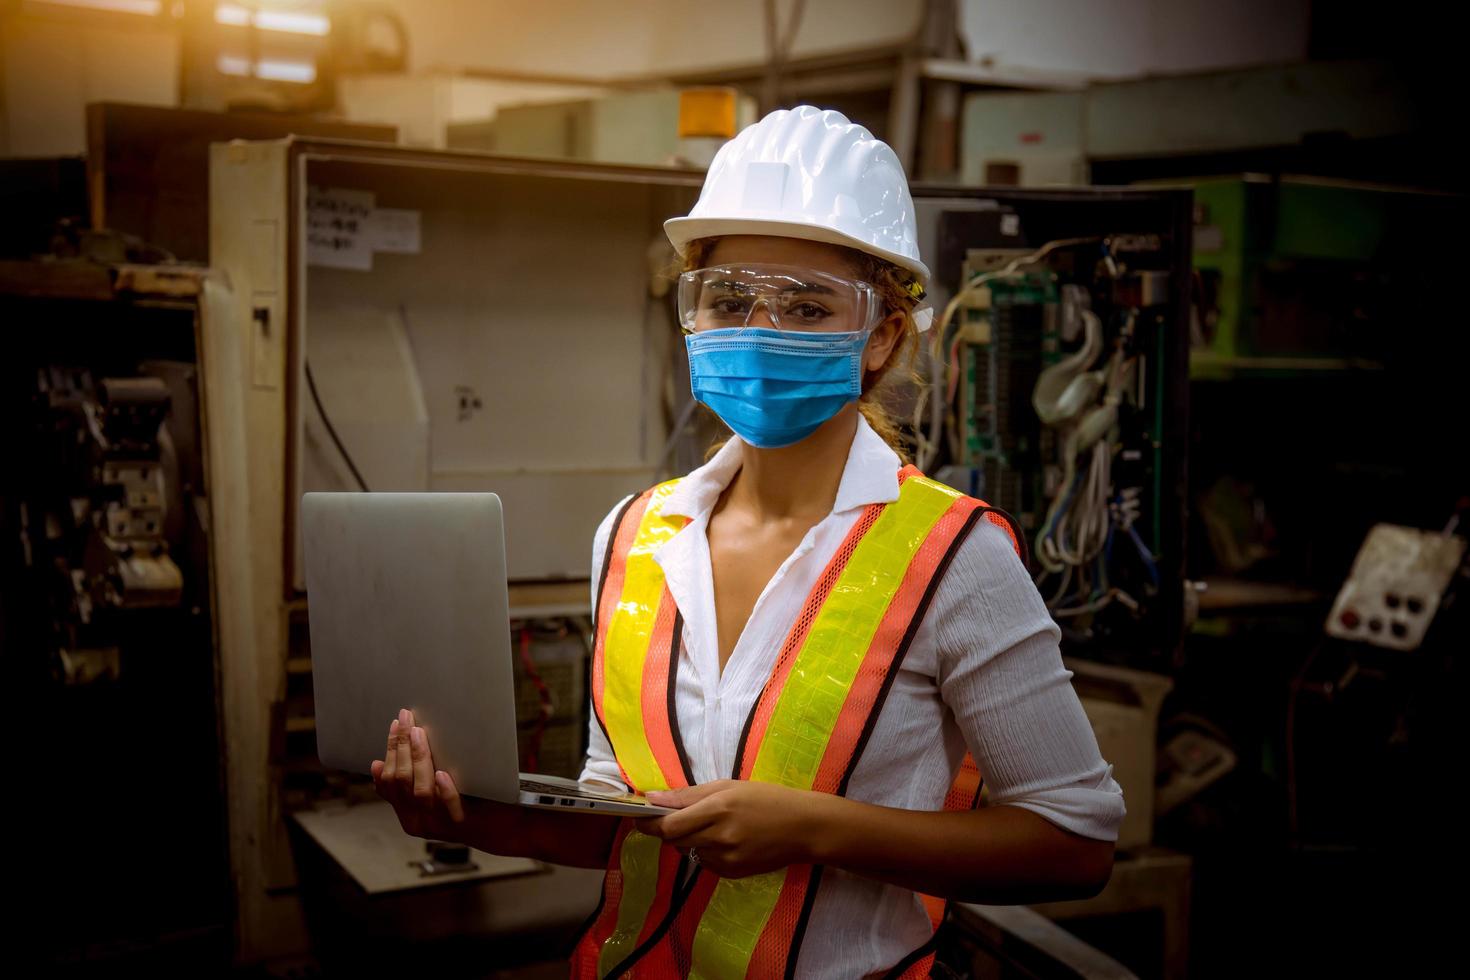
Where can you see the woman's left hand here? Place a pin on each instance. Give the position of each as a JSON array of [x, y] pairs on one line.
[[739, 827]]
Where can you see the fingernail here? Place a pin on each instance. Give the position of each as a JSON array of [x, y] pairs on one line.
[[417, 735], [393, 727]]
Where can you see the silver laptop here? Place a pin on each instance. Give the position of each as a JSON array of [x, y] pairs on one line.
[[407, 604]]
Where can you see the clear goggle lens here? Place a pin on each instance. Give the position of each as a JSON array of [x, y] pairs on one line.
[[781, 296]]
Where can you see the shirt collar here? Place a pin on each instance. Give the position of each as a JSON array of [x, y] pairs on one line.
[[870, 476]]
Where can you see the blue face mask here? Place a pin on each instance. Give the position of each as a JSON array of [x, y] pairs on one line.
[[775, 387]]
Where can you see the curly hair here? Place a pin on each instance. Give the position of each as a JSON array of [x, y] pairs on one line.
[[897, 288]]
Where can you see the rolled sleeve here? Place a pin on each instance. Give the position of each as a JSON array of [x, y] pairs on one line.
[[601, 765], [1000, 671]]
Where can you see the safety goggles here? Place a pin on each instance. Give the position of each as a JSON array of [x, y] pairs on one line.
[[793, 298]]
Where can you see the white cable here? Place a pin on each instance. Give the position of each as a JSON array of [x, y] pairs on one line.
[[927, 447], [1087, 518], [1099, 603], [1128, 508], [1076, 535], [1069, 466]]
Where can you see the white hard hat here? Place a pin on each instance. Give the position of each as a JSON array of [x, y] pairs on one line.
[[809, 173]]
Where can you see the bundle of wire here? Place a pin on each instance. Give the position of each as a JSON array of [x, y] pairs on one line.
[[1076, 540], [1086, 515], [930, 411]]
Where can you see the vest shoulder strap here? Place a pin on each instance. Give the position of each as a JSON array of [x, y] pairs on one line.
[[994, 515]]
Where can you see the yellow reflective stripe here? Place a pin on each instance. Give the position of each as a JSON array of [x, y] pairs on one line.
[[809, 704], [806, 710], [639, 861], [732, 924], [626, 645]]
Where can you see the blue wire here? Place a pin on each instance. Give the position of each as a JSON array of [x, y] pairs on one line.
[[1047, 531], [1143, 552]]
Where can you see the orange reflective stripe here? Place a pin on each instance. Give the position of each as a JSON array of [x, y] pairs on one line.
[[659, 670], [774, 947], [780, 938], [809, 708], [637, 632], [631, 909], [605, 916], [660, 664], [964, 793], [774, 943], [995, 518], [760, 716], [888, 647], [864, 702], [610, 591], [670, 862], [935, 906], [667, 956], [593, 956], [640, 857]]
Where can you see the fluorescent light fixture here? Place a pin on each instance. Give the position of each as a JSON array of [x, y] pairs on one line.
[[286, 71], [271, 69], [230, 65], [232, 14], [288, 22], [280, 20], [147, 7]]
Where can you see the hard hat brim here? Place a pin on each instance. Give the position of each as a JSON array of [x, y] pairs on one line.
[[683, 230]]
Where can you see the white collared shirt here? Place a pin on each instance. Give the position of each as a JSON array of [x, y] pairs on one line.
[[984, 672]]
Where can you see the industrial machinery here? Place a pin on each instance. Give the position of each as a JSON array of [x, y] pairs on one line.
[[106, 616], [101, 533], [1059, 394], [1381, 689]]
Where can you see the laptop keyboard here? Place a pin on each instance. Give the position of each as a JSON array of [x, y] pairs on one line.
[[560, 789]]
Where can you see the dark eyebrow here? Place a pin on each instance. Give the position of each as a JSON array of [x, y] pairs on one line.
[[813, 287], [800, 287], [734, 285]]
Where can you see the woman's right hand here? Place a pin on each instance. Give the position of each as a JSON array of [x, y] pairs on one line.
[[425, 799]]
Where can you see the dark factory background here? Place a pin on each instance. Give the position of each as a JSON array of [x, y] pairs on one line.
[[1260, 207]]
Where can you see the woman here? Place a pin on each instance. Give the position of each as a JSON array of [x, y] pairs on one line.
[[798, 642]]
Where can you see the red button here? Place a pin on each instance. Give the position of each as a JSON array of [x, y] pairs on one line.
[[1349, 619]]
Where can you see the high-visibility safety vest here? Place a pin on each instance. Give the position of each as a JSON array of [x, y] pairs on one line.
[[807, 729]]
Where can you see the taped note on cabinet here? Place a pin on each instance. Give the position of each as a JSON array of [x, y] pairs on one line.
[[344, 227], [395, 230], [337, 228]]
